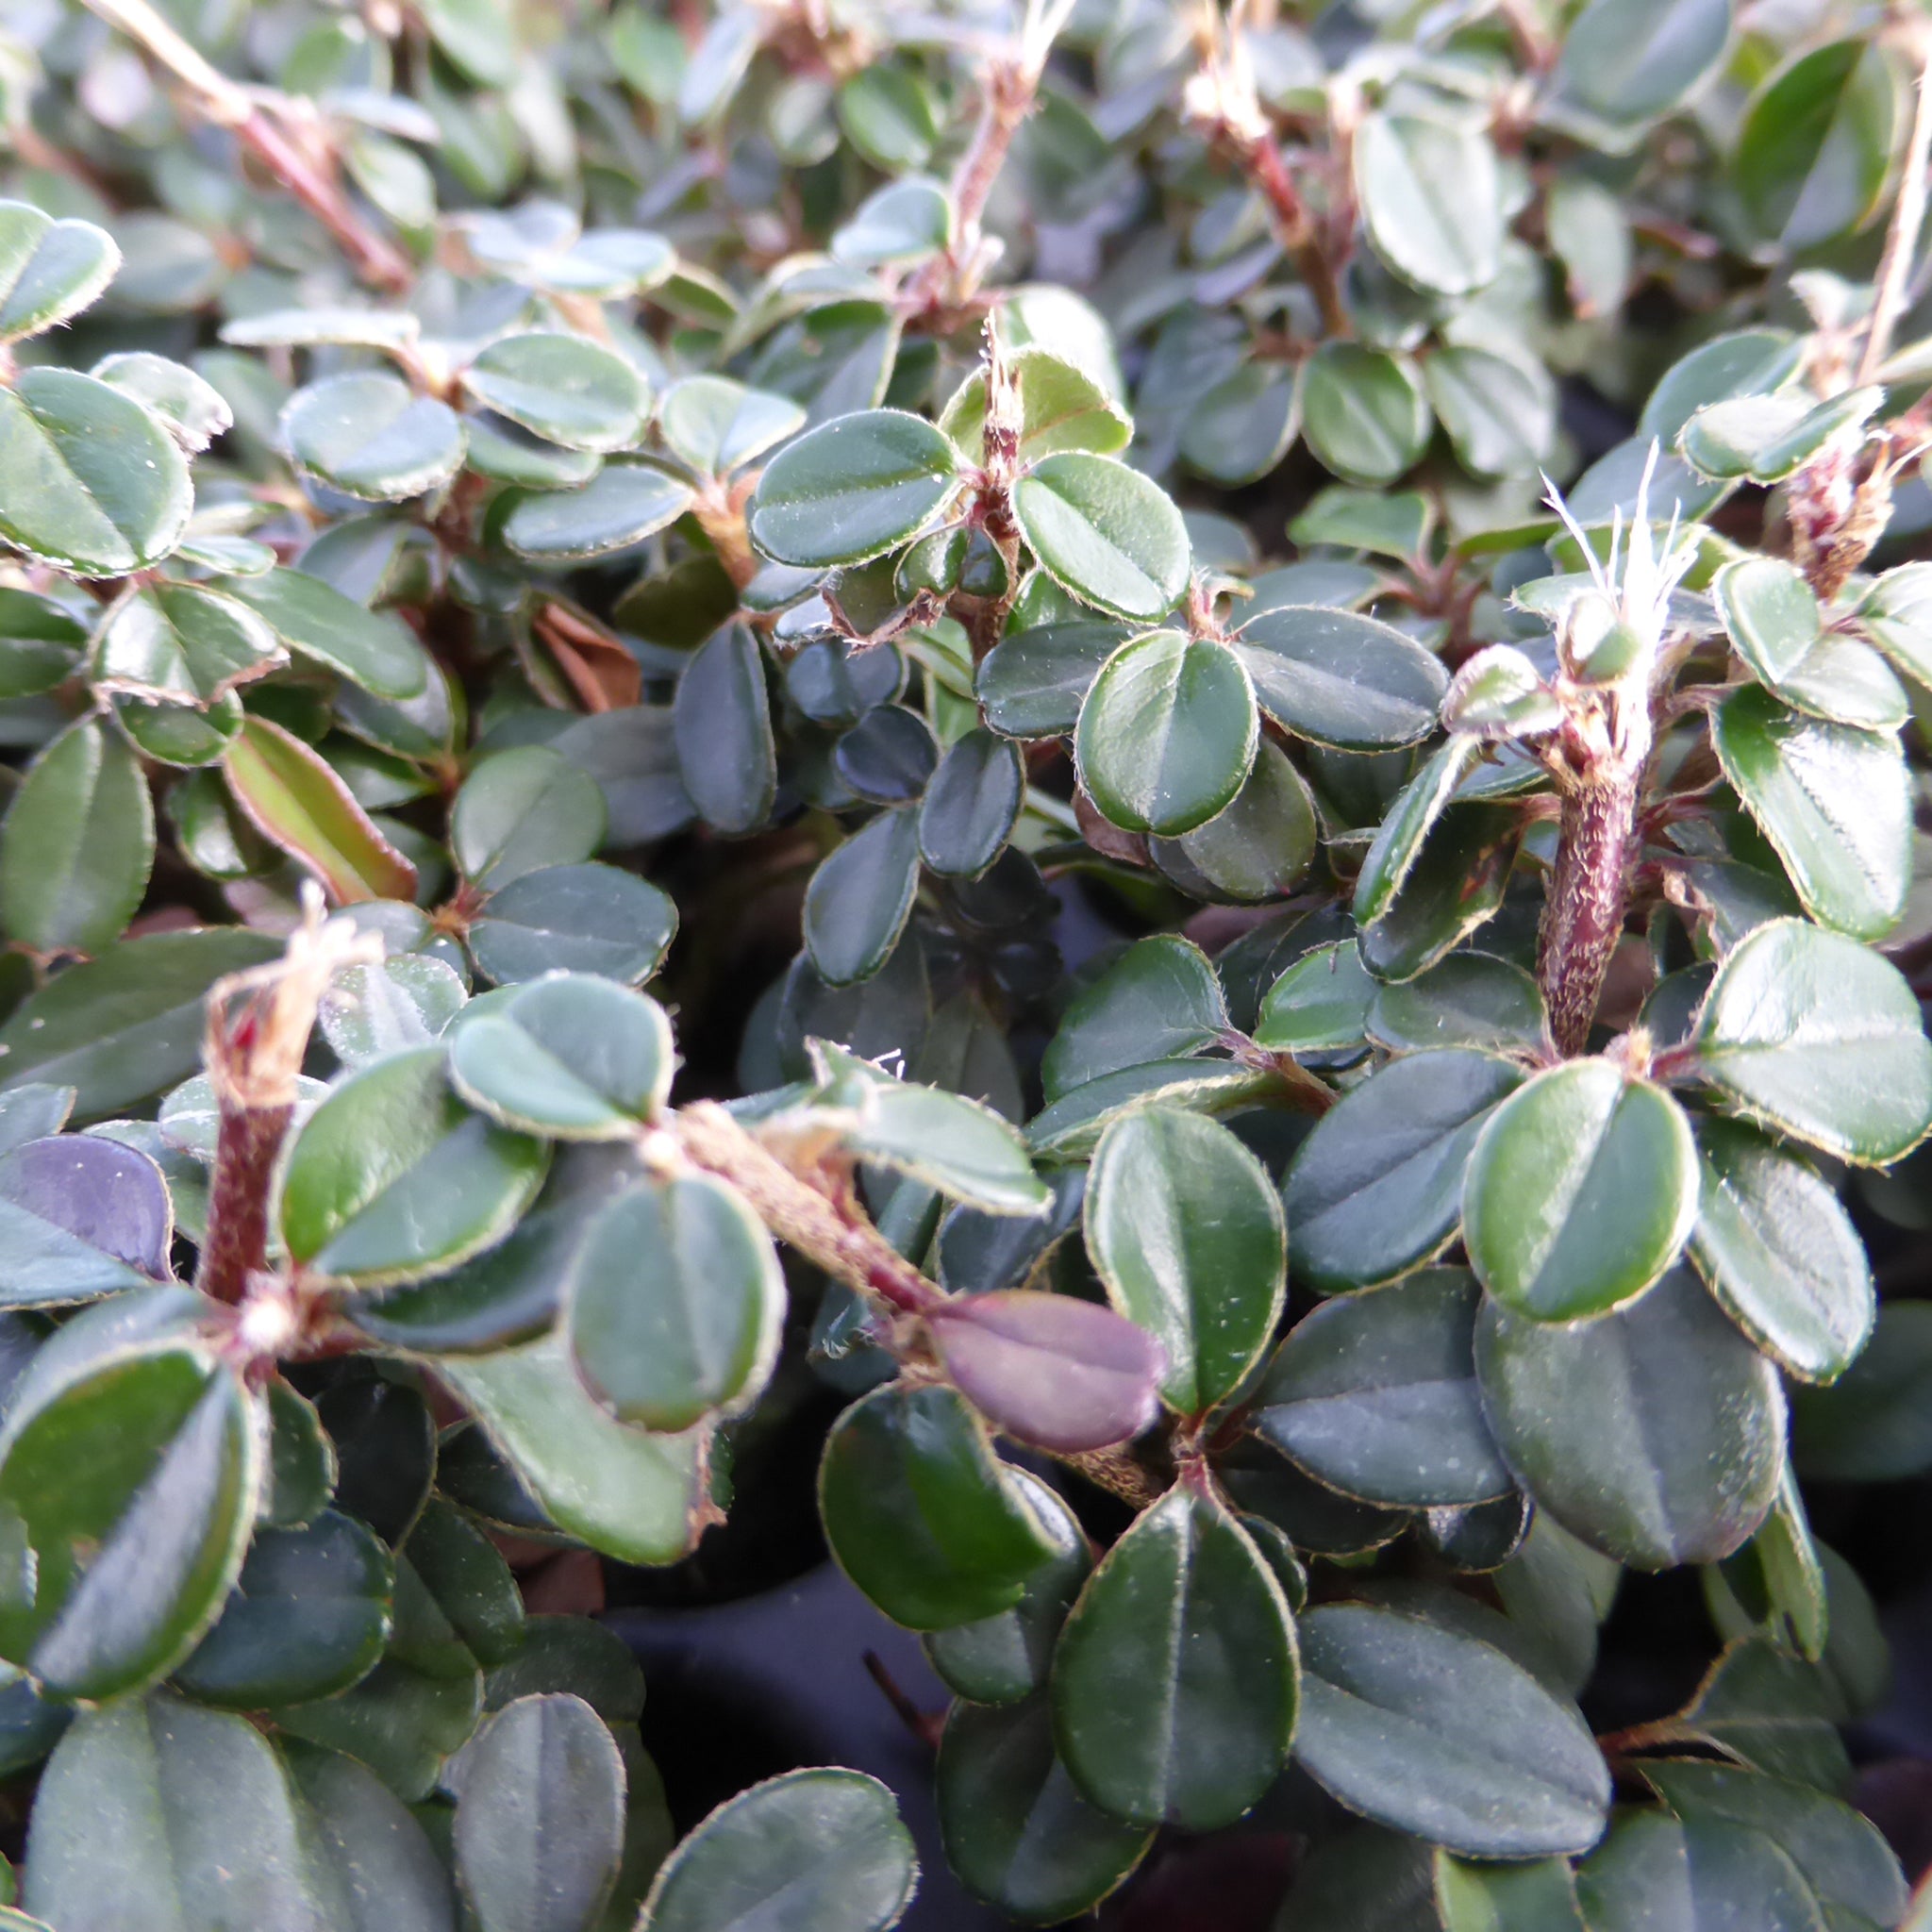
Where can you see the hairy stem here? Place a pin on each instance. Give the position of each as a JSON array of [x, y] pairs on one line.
[[845, 1246], [259, 1025], [226, 104], [1584, 917], [1295, 228]]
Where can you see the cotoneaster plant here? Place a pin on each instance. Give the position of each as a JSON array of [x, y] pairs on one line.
[[1252, 689]]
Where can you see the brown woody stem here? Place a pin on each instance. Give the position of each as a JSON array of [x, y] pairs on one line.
[[226, 104], [257, 1031], [1584, 917], [844, 1245], [1295, 228], [1902, 238]]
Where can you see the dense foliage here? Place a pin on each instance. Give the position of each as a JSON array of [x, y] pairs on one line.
[[1356, 1010]]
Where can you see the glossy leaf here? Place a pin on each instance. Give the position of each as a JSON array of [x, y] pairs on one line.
[[1708, 1876], [155, 1814], [1833, 801], [370, 437], [49, 270], [578, 917], [372, 649], [1106, 532], [1429, 192], [1167, 733], [540, 1817], [1780, 1254], [572, 1056], [675, 1302], [1440, 1735], [1177, 1683], [1339, 678], [1186, 1232], [1014, 1825], [861, 897], [309, 1616], [1655, 1434], [90, 481], [1159, 1000], [620, 507], [1376, 1188], [393, 1178], [922, 1515], [628, 1493], [179, 643], [852, 489], [825, 1849], [132, 1483], [1814, 1035], [970, 805], [1581, 1191], [1363, 412], [562, 387], [1815, 144], [1320, 1004], [522, 811], [1375, 1393]]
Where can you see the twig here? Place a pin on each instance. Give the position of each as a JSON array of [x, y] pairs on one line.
[[259, 1023], [1902, 238], [251, 116], [1008, 89], [1222, 101]]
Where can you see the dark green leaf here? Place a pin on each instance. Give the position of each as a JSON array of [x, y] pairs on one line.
[[127, 1484], [1815, 146], [1375, 1393], [1581, 1191], [1627, 62], [1833, 801], [77, 844], [675, 1302], [1470, 999], [620, 506], [540, 1817], [1429, 192], [309, 1616], [723, 726], [90, 481], [1815, 1035], [393, 1178], [815, 1851], [523, 811], [368, 436], [373, 649], [179, 643], [1175, 1685], [630, 1494], [370, 1866], [1105, 532], [922, 1515], [861, 897], [573, 1057], [1875, 1423], [852, 489], [1363, 412], [1339, 678], [1696, 1875], [129, 1024], [1005, 1659], [49, 270], [1033, 684], [970, 806], [1437, 1734], [404, 1725], [1015, 1827], [1185, 1229], [1655, 1434], [156, 1815], [1167, 733], [714, 424], [1377, 1188], [1536, 1897], [1159, 1000], [576, 917], [1780, 1254], [562, 387]]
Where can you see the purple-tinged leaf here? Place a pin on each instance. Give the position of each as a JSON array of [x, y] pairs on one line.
[[1061, 1374], [81, 1217]]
